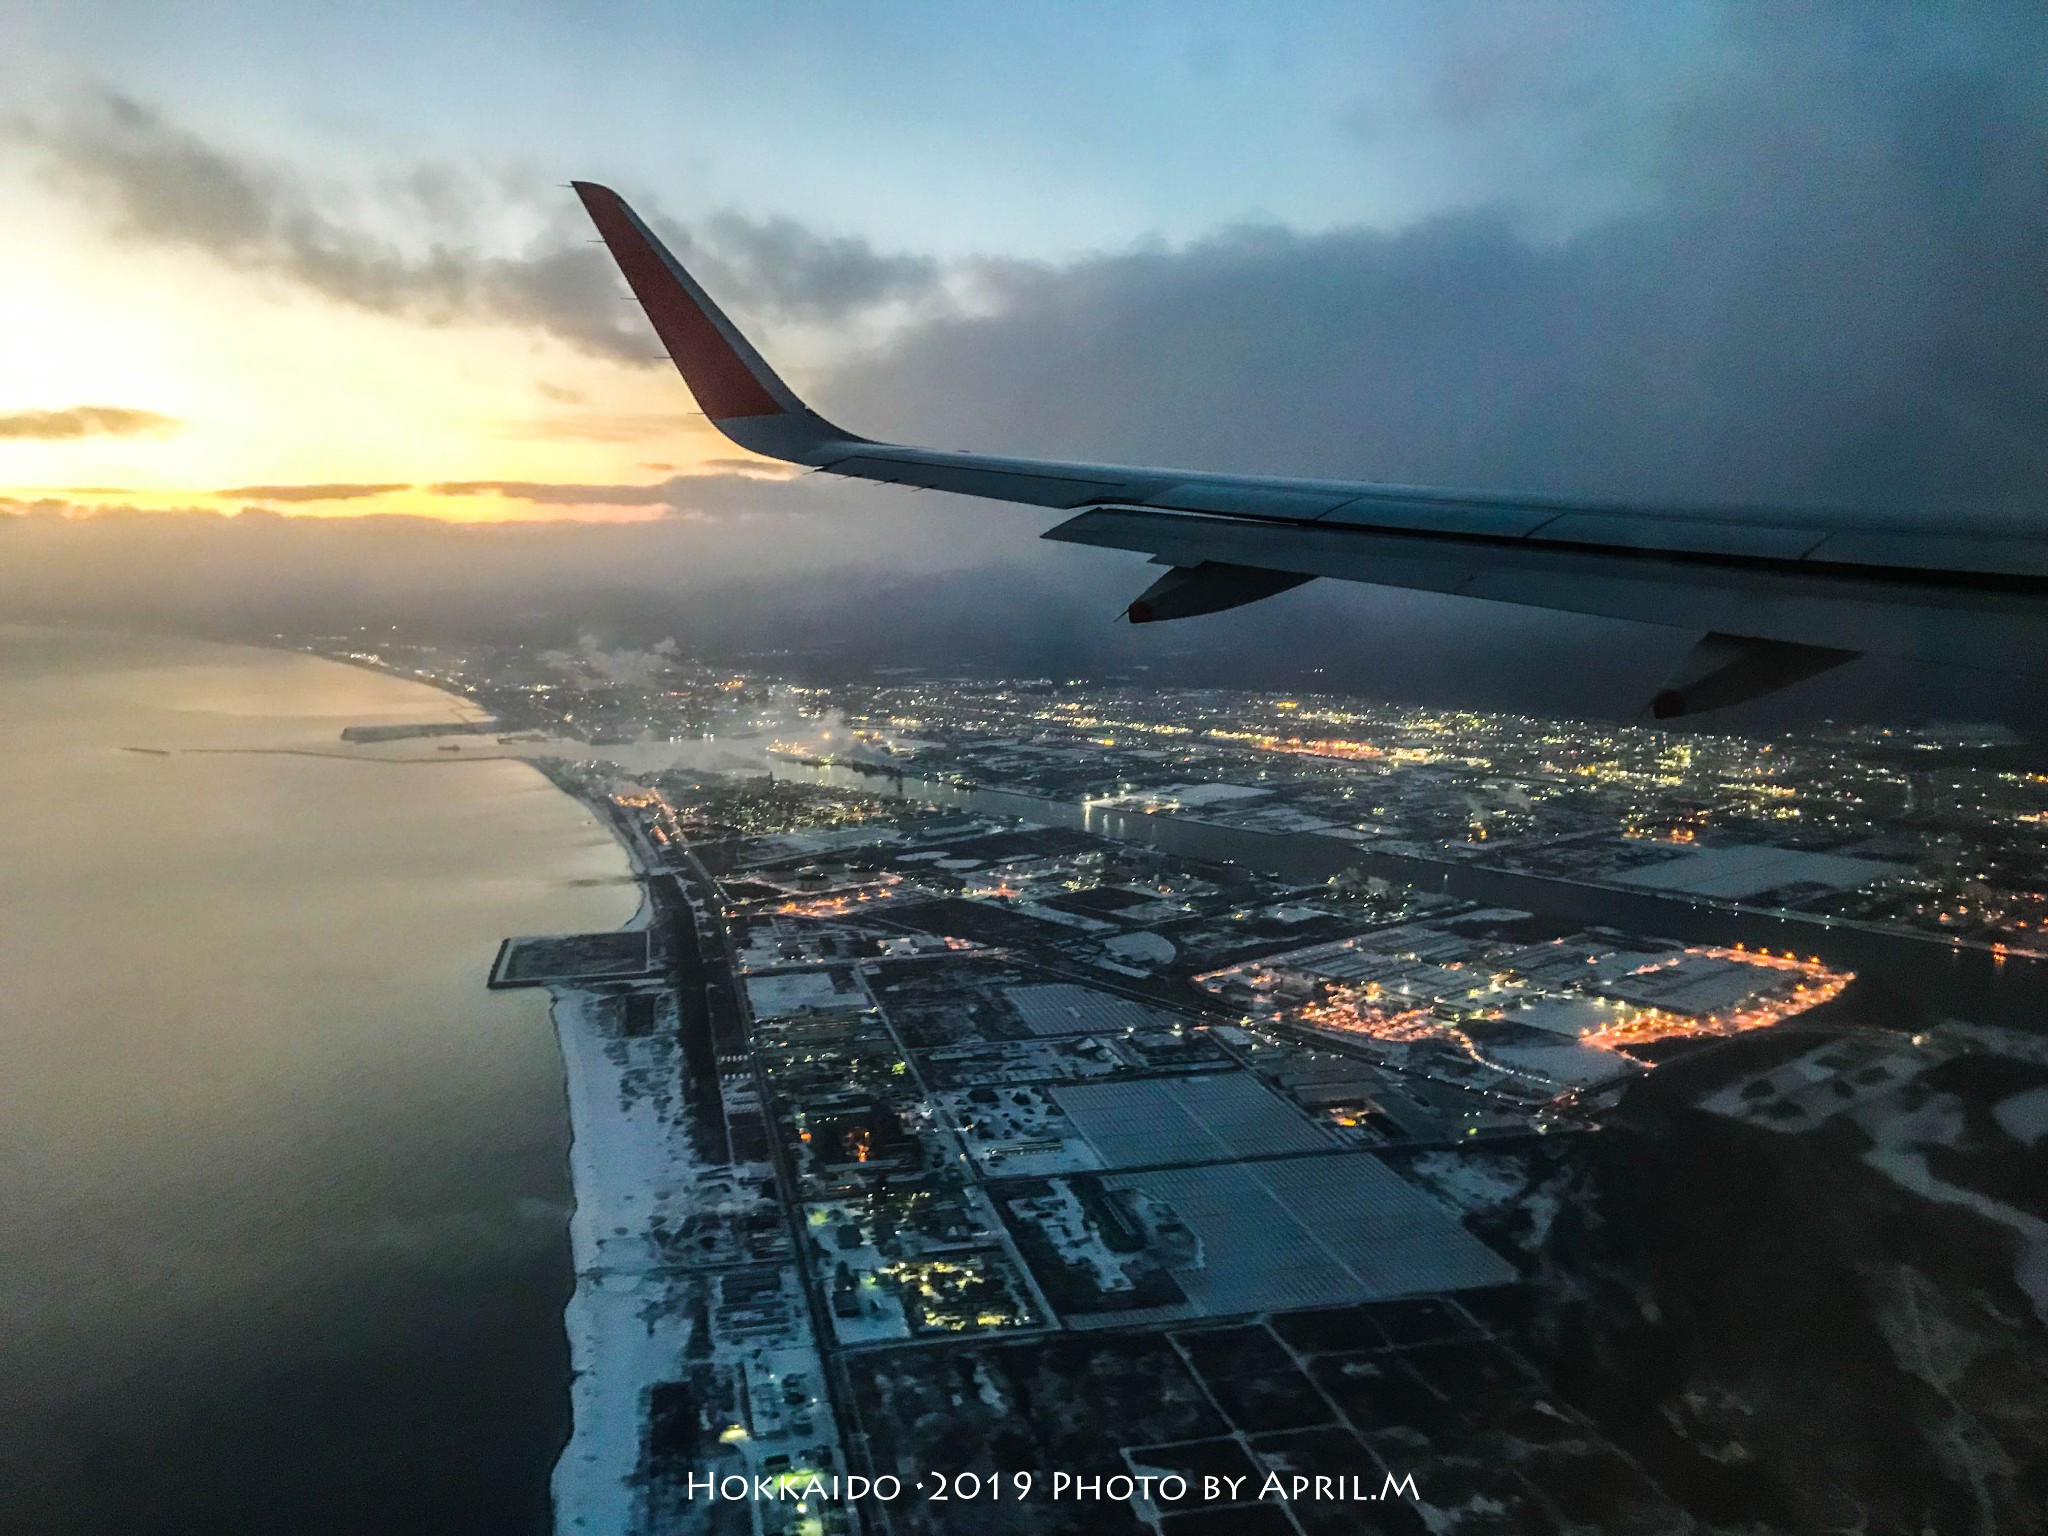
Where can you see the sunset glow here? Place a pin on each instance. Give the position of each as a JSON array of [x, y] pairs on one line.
[[274, 398]]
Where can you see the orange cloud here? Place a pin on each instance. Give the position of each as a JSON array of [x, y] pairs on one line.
[[84, 421], [336, 491]]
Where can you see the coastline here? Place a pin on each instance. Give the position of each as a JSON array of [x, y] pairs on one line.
[[691, 1352], [632, 1177], [624, 1175]]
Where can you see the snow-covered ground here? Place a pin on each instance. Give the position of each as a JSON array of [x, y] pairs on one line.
[[1868, 1085], [633, 1169], [2024, 1116], [1908, 1169], [1470, 1185], [1477, 1182], [665, 1245]]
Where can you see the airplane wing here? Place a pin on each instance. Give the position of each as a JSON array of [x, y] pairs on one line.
[[1780, 594]]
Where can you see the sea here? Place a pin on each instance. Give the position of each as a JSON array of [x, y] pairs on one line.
[[283, 1188]]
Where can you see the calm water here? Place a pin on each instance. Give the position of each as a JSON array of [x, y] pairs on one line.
[[282, 1187]]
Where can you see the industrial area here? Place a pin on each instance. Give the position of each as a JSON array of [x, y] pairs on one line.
[[920, 1139]]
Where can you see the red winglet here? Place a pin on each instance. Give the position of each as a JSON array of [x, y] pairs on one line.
[[699, 339]]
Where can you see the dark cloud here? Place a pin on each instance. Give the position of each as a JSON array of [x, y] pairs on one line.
[[734, 485], [899, 581], [1834, 289], [167, 186], [337, 491], [85, 421], [784, 269], [251, 566]]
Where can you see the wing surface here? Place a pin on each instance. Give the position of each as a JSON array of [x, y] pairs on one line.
[[1933, 588]]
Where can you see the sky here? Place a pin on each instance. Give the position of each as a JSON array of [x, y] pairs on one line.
[[316, 261]]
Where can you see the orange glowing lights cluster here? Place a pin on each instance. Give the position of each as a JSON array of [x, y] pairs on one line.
[[1352, 1012]]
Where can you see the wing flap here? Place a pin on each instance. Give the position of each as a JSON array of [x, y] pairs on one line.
[[1678, 535], [1958, 552], [1409, 515], [1721, 670], [1186, 592], [1242, 500]]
